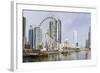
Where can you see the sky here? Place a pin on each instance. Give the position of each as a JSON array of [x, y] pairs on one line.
[[71, 21]]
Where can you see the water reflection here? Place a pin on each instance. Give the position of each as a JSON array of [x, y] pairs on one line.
[[82, 55]]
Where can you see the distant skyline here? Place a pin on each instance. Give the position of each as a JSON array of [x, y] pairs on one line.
[[71, 21]]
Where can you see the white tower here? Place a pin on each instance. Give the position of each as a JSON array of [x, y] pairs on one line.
[[75, 36]]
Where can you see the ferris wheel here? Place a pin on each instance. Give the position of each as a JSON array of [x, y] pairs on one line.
[[51, 32]]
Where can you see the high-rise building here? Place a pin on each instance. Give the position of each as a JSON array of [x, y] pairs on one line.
[[89, 37], [75, 36], [24, 31], [37, 38], [59, 31], [53, 30], [31, 36], [88, 41], [86, 44], [54, 33]]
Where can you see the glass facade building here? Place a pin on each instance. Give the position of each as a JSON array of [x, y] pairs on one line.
[[37, 37], [31, 37]]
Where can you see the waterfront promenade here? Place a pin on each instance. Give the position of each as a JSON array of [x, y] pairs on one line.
[[31, 52]]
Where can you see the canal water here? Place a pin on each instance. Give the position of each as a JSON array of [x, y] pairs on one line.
[[82, 55]]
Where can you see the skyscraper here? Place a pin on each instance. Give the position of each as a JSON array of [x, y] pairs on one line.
[[75, 36], [31, 36], [37, 37], [88, 41], [59, 30], [24, 31], [89, 37], [55, 32]]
